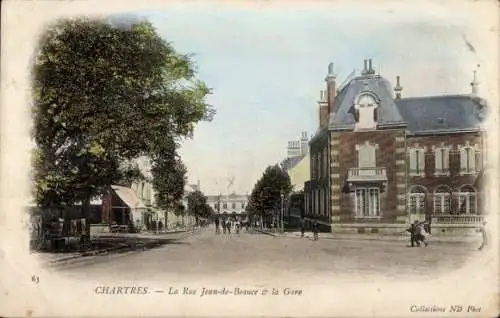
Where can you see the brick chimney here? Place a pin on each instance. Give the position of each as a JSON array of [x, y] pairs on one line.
[[331, 89], [323, 110], [398, 88]]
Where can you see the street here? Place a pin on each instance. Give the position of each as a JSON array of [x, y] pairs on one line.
[[256, 255]]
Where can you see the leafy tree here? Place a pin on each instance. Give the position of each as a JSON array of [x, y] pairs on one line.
[[169, 179], [198, 206], [105, 94], [265, 199]]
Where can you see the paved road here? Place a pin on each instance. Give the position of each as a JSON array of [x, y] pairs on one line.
[[259, 255]]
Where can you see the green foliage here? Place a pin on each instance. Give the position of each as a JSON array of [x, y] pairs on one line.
[[104, 95], [197, 205], [265, 198], [169, 179]]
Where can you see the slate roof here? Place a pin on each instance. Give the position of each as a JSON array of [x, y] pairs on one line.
[[442, 113], [447, 113], [388, 112]]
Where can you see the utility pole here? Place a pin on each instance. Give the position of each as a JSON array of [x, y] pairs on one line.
[[282, 194]]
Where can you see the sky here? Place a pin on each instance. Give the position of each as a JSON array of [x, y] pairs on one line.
[[267, 66]]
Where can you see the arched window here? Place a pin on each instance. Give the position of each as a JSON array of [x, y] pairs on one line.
[[365, 111], [467, 200], [416, 200], [442, 199]]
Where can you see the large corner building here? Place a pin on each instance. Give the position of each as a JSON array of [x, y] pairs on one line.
[[379, 160]]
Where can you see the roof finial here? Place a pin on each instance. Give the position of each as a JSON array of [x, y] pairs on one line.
[[475, 83]]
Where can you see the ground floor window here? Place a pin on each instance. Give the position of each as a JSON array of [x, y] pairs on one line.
[[467, 200], [416, 200], [367, 202], [442, 201]]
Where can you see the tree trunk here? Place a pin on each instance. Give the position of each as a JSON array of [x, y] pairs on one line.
[[85, 213]]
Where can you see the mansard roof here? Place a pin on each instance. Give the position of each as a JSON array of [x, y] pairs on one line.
[[388, 112], [431, 114], [447, 113]]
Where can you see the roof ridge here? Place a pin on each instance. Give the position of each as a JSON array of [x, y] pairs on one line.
[[435, 96]]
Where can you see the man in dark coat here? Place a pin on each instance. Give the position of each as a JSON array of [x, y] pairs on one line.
[[302, 227], [413, 234], [315, 229]]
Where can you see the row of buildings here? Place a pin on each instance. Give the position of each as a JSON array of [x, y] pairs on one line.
[[123, 208], [379, 160]]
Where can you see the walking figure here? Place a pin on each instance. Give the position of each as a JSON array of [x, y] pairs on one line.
[[228, 226], [485, 237], [315, 229], [217, 230], [224, 226], [237, 226], [421, 235], [302, 227]]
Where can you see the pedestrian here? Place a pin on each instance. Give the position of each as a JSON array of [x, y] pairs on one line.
[[485, 237], [217, 231], [224, 226], [228, 226], [315, 229], [237, 225], [302, 227], [413, 234], [421, 235]]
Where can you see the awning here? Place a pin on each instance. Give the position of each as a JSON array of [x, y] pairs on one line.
[[128, 196]]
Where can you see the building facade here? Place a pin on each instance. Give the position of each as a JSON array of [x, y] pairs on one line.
[[231, 205], [380, 161], [297, 162]]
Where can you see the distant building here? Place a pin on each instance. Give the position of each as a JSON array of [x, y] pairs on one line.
[[233, 204], [297, 162], [380, 159]]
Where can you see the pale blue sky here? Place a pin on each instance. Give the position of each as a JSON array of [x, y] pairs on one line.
[[266, 68]]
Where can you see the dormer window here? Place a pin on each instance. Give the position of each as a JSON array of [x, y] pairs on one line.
[[366, 111]]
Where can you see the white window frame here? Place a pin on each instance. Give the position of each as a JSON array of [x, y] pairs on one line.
[[471, 202], [372, 212], [441, 160], [417, 161], [441, 198], [469, 164], [363, 123], [416, 202]]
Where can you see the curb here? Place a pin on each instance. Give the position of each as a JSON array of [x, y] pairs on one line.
[[380, 239]]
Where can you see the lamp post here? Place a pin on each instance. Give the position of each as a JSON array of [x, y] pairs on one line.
[[282, 195]]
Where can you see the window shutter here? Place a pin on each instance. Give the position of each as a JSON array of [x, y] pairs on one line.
[[438, 159], [413, 161], [479, 161], [472, 160], [446, 159], [421, 161], [463, 160]]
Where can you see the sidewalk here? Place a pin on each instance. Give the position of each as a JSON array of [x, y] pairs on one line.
[[374, 237], [115, 242]]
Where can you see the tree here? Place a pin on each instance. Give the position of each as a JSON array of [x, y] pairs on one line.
[[105, 94], [266, 196], [197, 205], [169, 179]]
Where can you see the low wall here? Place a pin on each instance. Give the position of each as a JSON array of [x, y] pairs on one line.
[[98, 228], [369, 228], [451, 231]]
